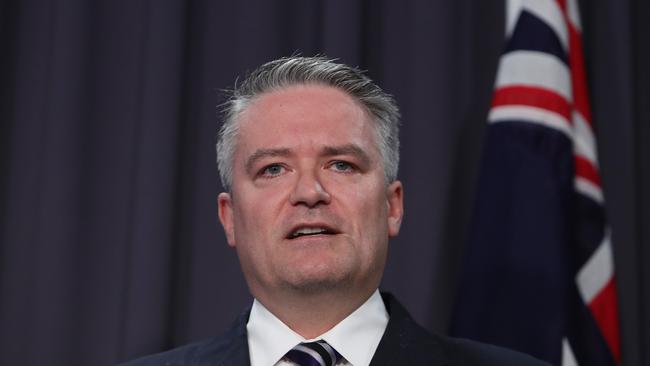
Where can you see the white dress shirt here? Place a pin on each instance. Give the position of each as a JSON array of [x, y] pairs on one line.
[[356, 337]]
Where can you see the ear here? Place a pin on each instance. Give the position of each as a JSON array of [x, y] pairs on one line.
[[395, 202], [224, 203]]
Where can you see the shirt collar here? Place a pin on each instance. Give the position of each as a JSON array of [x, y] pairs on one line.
[[356, 337]]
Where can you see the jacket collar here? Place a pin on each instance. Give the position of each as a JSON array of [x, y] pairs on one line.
[[405, 342]]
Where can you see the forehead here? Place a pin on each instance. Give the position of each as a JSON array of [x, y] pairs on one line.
[[305, 116]]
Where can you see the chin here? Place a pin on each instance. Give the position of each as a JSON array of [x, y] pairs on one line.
[[316, 287], [312, 283]]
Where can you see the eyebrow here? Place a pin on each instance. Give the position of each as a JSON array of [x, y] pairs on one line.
[[265, 153], [348, 149]]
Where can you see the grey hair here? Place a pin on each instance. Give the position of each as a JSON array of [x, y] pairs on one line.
[[295, 70]]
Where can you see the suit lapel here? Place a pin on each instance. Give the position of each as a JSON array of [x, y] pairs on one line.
[[404, 342], [237, 355], [229, 350]]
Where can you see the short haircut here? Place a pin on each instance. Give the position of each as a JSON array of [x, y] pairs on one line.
[[296, 70]]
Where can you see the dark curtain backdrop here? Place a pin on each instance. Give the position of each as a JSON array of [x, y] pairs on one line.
[[110, 246]]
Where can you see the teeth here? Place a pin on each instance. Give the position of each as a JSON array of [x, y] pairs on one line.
[[308, 231]]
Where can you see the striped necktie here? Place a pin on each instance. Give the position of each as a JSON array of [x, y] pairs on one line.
[[317, 353]]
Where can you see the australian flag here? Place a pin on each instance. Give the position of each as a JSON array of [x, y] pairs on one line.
[[538, 272]]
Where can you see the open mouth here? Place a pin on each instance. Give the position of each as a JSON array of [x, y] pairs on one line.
[[310, 231]]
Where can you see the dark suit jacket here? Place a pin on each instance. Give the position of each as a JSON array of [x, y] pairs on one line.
[[404, 343]]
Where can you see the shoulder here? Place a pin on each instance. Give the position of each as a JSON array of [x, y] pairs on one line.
[[467, 352], [231, 348], [184, 355], [407, 343]]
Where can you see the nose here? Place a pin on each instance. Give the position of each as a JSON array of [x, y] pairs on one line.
[[309, 191]]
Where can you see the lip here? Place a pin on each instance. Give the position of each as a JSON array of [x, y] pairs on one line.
[[329, 228]]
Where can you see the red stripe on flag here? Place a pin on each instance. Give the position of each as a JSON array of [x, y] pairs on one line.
[[604, 310], [586, 170], [534, 97], [604, 306], [578, 77]]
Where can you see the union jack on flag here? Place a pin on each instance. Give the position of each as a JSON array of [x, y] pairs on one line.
[[538, 272]]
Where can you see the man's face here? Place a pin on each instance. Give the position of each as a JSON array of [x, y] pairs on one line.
[[309, 208]]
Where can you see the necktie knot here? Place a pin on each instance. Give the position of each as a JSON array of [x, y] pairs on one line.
[[318, 353]]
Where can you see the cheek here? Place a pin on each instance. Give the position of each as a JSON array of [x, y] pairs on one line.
[[254, 220], [257, 214], [367, 211], [372, 203], [254, 230], [258, 203]]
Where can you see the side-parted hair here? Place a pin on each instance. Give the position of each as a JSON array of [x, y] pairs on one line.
[[290, 71]]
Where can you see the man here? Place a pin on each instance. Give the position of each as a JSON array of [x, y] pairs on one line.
[[308, 154]]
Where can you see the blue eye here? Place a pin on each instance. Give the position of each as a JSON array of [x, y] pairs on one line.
[[342, 166], [272, 170]]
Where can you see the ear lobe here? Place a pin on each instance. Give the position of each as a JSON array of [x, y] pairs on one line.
[[224, 204], [395, 202]]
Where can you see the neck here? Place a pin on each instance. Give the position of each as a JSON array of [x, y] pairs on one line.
[[314, 314]]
